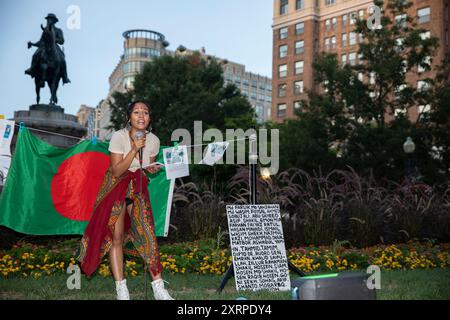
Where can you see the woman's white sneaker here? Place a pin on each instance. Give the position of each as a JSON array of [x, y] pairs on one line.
[[159, 291], [122, 290]]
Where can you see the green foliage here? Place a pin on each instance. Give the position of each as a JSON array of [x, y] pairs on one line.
[[305, 143], [182, 90], [118, 105], [358, 119]]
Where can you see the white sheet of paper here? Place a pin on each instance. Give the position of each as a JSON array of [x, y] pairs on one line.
[[6, 135], [5, 162], [176, 162], [214, 152]]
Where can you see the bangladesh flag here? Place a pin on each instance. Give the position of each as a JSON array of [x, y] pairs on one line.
[[52, 191]]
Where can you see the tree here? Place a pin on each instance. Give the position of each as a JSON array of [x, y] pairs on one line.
[[364, 106], [305, 143], [182, 90]]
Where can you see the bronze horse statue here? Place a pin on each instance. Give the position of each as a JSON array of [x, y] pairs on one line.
[[48, 64]]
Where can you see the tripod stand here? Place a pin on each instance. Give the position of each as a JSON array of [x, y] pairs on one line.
[[253, 159]]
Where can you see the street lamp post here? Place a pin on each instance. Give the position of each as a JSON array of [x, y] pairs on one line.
[[408, 148]]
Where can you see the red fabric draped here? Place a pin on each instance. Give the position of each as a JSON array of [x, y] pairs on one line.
[[97, 236]]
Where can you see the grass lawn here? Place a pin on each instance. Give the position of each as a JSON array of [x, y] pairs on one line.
[[402, 285]]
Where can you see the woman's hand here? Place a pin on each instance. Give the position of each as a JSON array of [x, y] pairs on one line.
[[138, 144], [153, 169]]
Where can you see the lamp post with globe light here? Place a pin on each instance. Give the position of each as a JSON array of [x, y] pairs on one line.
[[409, 147]]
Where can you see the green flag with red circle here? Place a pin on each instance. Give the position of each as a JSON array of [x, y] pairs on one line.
[[51, 191]]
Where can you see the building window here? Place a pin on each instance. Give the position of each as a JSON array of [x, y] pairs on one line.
[[141, 52], [328, 2], [399, 89], [298, 87], [425, 35], [260, 113], [259, 110], [352, 58], [299, 67], [283, 51], [282, 90], [281, 110], [299, 4], [344, 20], [327, 24], [245, 82], [299, 47], [361, 14], [283, 7], [333, 42], [334, 23], [283, 33], [298, 105], [269, 98], [424, 65], [400, 20], [326, 42], [254, 83], [360, 57], [282, 71], [352, 38], [133, 66], [361, 37], [237, 79], [344, 40], [128, 82], [344, 59], [423, 85], [399, 44], [423, 15], [299, 28], [353, 17]]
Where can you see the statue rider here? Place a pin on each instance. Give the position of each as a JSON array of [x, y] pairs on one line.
[[59, 38]]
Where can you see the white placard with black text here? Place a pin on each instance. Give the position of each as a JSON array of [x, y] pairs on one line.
[[258, 248]]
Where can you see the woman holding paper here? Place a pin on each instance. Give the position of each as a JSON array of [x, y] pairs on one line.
[[122, 211]]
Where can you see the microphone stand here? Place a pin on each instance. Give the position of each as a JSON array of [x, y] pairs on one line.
[[140, 190]]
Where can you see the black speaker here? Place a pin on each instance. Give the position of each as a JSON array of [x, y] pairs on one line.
[[342, 286]]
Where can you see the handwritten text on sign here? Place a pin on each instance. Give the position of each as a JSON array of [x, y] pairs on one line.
[[257, 245]]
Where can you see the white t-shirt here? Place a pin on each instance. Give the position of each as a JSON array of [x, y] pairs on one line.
[[121, 143]]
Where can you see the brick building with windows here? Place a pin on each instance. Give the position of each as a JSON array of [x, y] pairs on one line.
[[302, 29]]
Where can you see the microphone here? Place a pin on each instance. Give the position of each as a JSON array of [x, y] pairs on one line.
[[139, 135]]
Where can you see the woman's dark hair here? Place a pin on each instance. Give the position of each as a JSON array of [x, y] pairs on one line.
[[132, 104], [131, 107]]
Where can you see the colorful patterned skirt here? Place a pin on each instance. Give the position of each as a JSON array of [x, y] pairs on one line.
[[139, 229]]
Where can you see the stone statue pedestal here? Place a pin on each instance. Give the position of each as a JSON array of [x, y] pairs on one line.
[[46, 107], [53, 119]]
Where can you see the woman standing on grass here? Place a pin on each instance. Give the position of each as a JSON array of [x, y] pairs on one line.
[[122, 211]]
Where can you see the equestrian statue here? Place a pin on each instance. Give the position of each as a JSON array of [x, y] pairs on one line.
[[48, 63]]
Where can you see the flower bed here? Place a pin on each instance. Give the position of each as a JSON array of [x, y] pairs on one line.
[[205, 257]]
